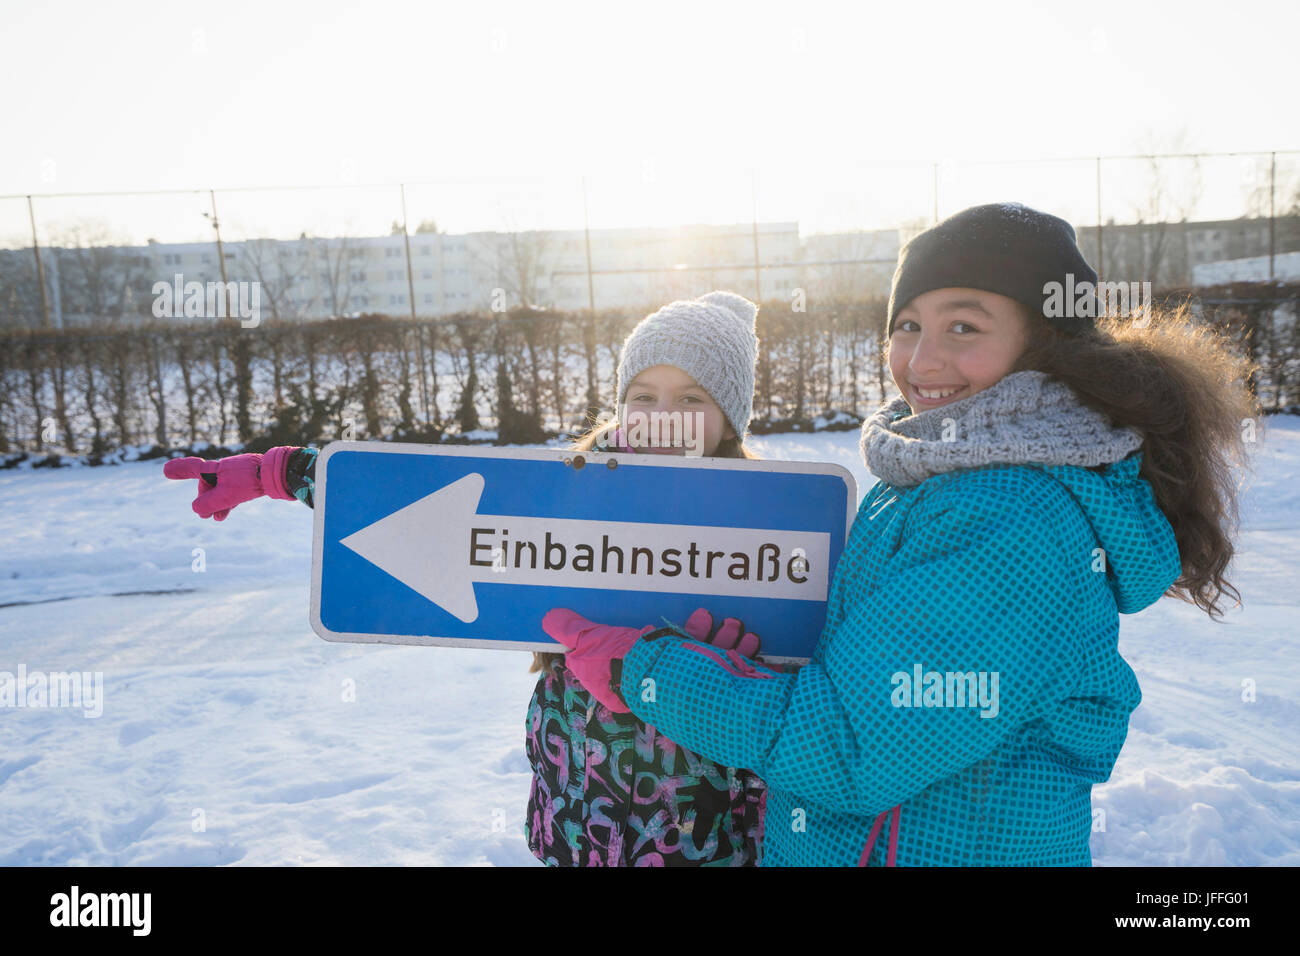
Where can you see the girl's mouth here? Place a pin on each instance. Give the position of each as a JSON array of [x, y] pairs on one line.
[[937, 396]]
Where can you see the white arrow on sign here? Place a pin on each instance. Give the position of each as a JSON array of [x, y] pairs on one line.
[[439, 546]]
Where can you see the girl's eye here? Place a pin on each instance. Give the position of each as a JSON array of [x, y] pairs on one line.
[[898, 326], [644, 397]]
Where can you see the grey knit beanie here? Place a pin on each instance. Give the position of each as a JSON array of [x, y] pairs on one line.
[[711, 339]]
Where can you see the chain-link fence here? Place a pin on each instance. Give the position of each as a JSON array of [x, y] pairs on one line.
[[427, 249]]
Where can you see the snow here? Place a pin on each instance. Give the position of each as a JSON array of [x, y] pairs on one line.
[[231, 734], [1286, 267]]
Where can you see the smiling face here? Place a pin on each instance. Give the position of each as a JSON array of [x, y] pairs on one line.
[[669, 413], [949, 344]]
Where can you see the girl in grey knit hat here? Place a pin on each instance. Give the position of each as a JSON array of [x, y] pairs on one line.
[[694, 358], [685, 379]]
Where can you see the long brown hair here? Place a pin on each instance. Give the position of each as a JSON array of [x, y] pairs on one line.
[[1184, 386], [598, 433]]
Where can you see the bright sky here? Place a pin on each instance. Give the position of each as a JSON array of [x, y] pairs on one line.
[[838, 108]]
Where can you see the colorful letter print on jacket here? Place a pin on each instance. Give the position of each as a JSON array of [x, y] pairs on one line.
[[608, 790]]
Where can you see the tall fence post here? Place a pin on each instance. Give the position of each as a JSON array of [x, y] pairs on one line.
[[758, 277], [216, 227], [934, 191], [40, 268], [1100, 261], [410, 286], [586, 230], [1272, 212]]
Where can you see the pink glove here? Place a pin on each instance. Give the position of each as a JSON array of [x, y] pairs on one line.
[[593, 648], [228, 482], [730, 635]]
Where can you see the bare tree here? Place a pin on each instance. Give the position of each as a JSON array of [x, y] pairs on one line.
[[101, 280], [1278, 191], [155, 357], [121, 382], [279, 267], [470, 332], [1154, 249], [20, 292], [341, 263], [216, 352], [61, 365], [518, 263]]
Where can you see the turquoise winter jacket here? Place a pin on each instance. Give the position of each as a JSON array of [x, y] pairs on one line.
[[1000, 588]]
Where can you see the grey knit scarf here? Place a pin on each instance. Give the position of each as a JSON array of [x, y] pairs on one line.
[[1025, 417]]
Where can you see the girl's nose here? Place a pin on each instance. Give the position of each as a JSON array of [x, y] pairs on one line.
[[927, 356], [667, 427]]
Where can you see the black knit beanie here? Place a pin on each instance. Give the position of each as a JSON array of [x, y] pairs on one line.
[[1005, 248]]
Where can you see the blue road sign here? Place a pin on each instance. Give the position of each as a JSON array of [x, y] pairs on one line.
[[471, 546]]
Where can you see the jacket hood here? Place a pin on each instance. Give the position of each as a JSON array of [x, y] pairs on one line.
[[1141, 553]]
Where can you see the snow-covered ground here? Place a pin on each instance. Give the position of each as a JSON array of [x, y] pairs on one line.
[[1255, 269], [230, 733]]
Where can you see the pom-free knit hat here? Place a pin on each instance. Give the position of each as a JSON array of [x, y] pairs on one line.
[[1005, 248], [711, 339]]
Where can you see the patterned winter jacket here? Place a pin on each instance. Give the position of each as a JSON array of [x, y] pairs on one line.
[[609, 789], [968, 677]]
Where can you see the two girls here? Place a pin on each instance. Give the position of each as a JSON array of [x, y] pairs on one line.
[[608, 789]]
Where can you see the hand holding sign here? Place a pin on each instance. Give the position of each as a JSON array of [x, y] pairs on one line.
[[593, 648], [729, 635]]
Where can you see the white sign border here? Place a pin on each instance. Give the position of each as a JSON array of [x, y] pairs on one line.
[[591, 459]]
